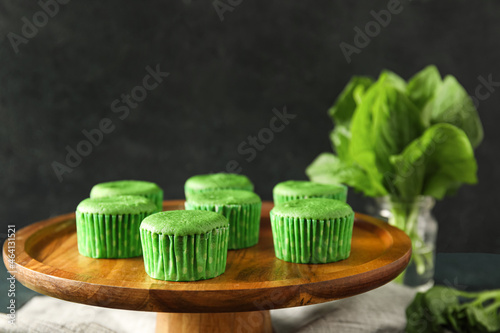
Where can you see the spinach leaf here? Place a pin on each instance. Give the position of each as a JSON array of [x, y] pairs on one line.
[[451, 104], [341, 138], [342, 110], [426, 312], [423, 85], [329, 169], [443, 307], [392, 79], [383, 125], [434, 163]]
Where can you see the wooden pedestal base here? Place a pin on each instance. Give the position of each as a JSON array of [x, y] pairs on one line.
[[237, 322]]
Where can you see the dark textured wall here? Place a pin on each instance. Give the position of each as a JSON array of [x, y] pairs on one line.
[[225, 78]]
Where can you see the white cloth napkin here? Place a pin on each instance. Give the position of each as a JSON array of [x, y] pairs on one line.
[[379, 310], [44, 314]]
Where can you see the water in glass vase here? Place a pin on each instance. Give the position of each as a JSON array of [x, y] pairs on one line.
[[414, 217], [420, 276]]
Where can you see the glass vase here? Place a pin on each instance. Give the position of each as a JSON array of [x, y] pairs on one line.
[[414, 217]]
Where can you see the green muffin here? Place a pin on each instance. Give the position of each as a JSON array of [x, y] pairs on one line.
[[109, 227], [312, 231], [303, 189], [129, 187], [185, 245], [241, 208], [217, 181]]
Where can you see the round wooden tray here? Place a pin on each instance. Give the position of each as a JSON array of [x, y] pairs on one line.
[[47, 261]]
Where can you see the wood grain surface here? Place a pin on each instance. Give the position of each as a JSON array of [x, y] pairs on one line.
[[47, 261], [247, 322]]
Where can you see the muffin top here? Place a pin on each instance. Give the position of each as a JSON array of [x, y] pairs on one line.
[[307, 188], [314, 208], [184, 222], [124, 187], [219, 181], [224, 197], [117, 205]]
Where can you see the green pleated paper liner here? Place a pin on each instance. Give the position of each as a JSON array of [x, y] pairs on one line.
[[157, 199], [188, 191], [109, 236], [279, 198], [308, 241], [185, 258], [244, 221]]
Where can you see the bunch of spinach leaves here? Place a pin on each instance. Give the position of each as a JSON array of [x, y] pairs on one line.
[[402, 139], [443, 308]]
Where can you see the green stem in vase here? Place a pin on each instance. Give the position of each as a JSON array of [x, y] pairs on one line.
[[404, 215]]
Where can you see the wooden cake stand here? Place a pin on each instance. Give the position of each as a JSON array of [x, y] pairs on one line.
[[255, 281]]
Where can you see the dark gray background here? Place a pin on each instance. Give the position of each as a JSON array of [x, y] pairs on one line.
[[225, 79]]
